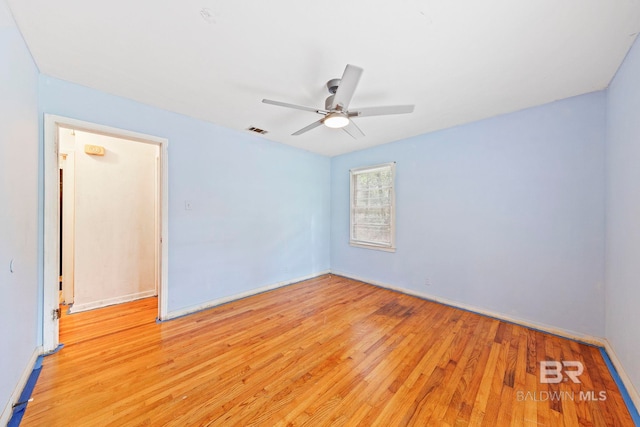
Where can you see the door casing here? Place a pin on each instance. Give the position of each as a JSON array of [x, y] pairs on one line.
[[52, 123]]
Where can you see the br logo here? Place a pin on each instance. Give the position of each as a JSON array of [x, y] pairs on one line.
[[553, 372]]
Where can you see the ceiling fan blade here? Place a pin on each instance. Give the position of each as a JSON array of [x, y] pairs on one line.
[[297, 107], [353, 130], [347, 87], [308, 128], [381, 111]]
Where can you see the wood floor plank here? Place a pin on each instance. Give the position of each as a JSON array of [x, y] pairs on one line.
[[327, 351], [451, 395]]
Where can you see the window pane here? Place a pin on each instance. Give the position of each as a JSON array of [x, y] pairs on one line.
[[371, 209]]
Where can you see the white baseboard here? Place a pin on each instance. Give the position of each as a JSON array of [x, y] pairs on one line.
[[195, 308], [626, 380], [76, 308], [565, 333], [17, 391]]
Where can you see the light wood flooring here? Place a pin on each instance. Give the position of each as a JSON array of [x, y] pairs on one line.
[[325, 352]]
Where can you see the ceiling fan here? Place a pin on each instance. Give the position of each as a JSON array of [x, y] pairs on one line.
[[336, 113]]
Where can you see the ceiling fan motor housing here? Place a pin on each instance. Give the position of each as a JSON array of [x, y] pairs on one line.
[[332, 85], [328, 102]]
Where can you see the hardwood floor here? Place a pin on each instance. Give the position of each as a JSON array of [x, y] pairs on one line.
[[328, 351]]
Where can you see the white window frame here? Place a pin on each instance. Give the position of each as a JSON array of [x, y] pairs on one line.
[[391, 247]]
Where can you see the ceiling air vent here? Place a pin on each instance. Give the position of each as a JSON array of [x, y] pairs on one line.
[[257, 130]]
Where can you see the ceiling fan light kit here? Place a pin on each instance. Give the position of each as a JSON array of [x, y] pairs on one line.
[[336, 114], [336, 120]]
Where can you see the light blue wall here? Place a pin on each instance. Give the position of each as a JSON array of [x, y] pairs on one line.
[[505, 214], [260, 210], [623, 215], [19, 200]]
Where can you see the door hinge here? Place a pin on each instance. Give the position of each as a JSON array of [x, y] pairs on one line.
[[56, 314]]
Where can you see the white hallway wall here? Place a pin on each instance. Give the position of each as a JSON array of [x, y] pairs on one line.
[[115, 230]]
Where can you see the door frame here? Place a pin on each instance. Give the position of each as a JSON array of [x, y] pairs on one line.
[[52, 123], [67, 164]]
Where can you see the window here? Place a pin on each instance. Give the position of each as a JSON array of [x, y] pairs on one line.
[[372, 222]]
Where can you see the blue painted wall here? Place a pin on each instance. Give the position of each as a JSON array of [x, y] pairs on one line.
[[623, 215], [260, 210], [19, 200], [505, 214]]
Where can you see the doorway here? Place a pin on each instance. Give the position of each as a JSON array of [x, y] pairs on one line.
[[58, 154]]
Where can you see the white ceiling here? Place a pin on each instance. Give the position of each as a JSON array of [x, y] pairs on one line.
[[457, 60]]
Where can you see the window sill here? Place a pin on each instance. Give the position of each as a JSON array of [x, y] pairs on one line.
[[374, 247]]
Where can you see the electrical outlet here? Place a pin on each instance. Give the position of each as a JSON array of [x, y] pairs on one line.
[[187, 205]]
